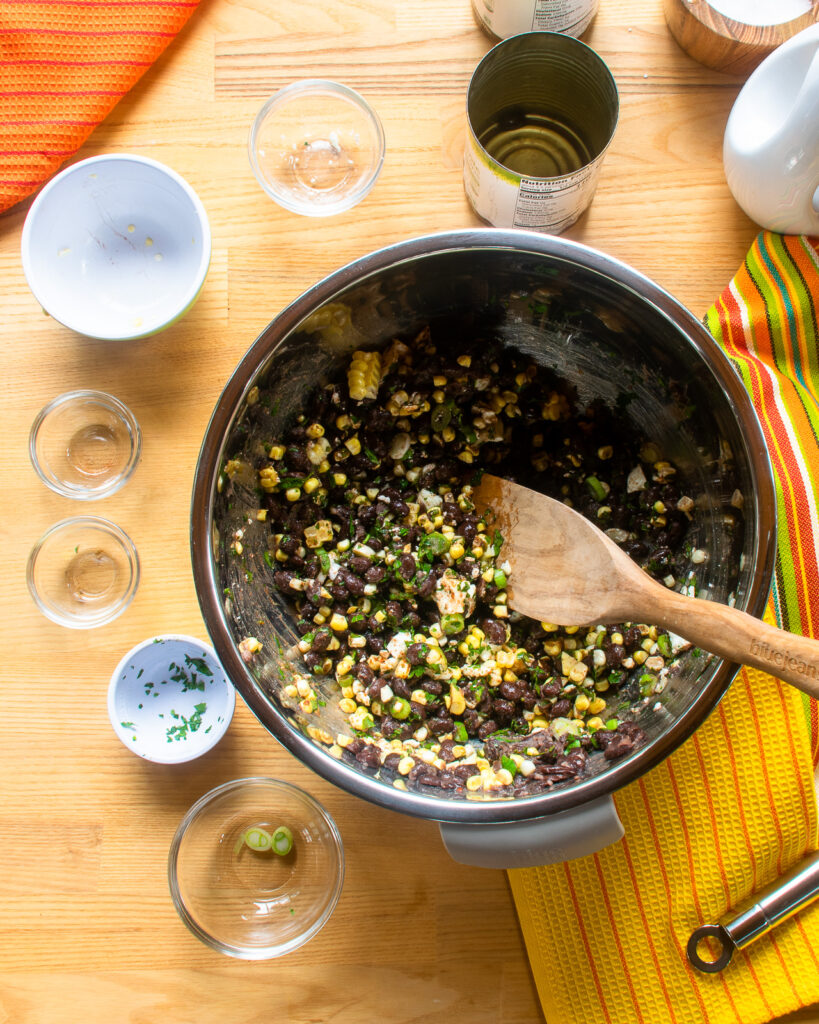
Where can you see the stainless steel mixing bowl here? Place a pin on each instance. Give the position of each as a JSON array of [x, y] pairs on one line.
[[616, 336]]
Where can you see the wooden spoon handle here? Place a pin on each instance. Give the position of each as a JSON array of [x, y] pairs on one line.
[[740, 637]]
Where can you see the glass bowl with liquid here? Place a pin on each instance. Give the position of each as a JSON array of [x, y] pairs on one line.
[[316, 147], [256, 868], [83, 572], [85, 444]]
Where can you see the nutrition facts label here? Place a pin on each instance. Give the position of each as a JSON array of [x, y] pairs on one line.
[[504, 18], [556, 204], [570, 16], [508, 200]]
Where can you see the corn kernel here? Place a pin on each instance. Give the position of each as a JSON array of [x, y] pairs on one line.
[[457, 704], [338, 623], [293, 493], [405, 765], [353, 445], [594, 724], [474, 783], [596, 705], [276, 452], [311, 484], [347, 706], [581, 703], [465, 361]]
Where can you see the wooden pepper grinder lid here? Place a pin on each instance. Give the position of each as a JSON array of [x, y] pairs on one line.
[[734, 36]]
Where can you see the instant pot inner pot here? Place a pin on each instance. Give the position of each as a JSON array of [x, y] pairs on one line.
[[598, 333]]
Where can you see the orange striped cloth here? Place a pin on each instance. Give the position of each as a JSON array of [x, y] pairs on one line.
[[735, 806], [64, 64]]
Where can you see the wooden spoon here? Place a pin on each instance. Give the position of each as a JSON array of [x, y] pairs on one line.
[[567, 571]]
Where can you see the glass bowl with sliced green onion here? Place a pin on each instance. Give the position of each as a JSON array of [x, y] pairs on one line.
[[256, 868]]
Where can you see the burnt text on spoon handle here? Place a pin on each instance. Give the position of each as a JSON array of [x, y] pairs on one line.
[[740, 637]]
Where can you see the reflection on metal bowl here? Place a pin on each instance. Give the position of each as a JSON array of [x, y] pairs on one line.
[[611, 333]]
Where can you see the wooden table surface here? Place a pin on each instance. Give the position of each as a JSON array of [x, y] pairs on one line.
[[88, 929]]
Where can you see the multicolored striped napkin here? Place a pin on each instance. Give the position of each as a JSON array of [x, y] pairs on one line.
[[64, 65], [735, 806]]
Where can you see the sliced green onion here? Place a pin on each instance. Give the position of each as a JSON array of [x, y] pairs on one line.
[[282, 840], [461, 735], [664, 645], [258, 839], [433, 544], [400, 708], [500, 579], [598, 491], [268, 557], [612, 724], [324, 560], [509, 765], [453, 623]]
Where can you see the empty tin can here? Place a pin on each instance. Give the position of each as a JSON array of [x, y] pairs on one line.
[[504, 18], [541, 111]]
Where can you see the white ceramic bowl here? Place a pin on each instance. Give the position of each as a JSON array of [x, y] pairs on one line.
[[116, 247], [169, 700]]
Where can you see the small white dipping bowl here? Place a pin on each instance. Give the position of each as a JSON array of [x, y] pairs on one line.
[[116, 247], [169, 699]]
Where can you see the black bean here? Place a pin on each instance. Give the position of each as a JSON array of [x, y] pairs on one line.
[[401, 687], [415, 654], [614, 654], [321, 641], [487, 728], [375, 574], [369, 756], [445, 752], [282, 579], [559, 709], [511, 691], [496, 631], [359, 565], [364, 673], [503, 711], [407, 566], [433, 686], [391, 761], [440, 724]]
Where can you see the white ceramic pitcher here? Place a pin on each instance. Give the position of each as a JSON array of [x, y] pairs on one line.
[[771, 146]]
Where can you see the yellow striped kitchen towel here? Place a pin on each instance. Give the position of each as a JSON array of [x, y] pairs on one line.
[[735, 806]]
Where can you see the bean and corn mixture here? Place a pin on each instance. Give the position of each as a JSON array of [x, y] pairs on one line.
[[400, 587]]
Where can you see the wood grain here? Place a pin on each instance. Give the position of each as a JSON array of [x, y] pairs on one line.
[[88, 929], [726, 44]]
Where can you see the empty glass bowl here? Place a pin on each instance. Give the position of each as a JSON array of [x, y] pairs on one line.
[[85, 444], [246, 900], [316, 147], [83, 572]]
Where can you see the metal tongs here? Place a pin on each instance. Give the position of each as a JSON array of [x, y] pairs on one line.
[[764, 911]]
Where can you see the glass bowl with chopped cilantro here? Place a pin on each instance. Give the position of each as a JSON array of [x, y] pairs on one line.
[[359, 598], [256, 868], [169, 699]]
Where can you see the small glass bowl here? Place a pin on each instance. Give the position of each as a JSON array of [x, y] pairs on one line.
[[85, 444], [316, 147], [83, 572], [248, 904]]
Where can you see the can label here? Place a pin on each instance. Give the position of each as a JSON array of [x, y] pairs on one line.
[[506, 199], [503, 18]]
